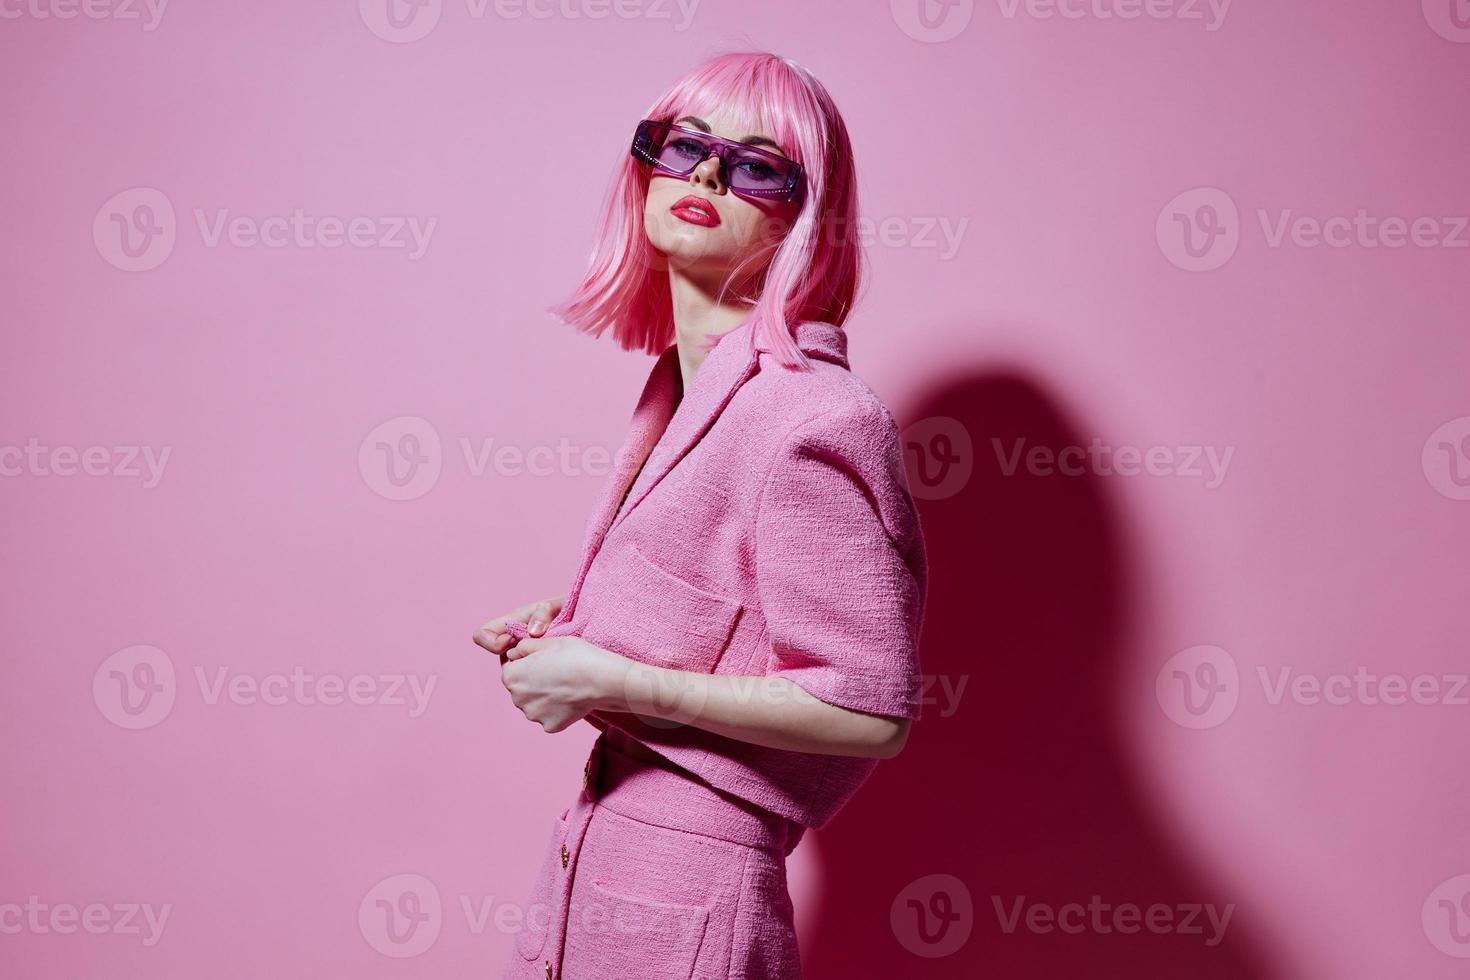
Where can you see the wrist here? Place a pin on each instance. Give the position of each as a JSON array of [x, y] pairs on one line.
[[610, 682]]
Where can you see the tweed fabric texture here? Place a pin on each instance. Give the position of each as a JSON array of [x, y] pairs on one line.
[[649, 875], [761, 525], [770, 532]]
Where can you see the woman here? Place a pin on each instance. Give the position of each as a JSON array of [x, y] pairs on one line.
[[743, 629]]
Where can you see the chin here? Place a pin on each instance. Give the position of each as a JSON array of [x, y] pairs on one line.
[[690, 252]]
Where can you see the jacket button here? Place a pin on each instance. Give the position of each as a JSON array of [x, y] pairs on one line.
[[565, 856]]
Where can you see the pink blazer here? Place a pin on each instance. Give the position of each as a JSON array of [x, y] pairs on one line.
[[771, 532]]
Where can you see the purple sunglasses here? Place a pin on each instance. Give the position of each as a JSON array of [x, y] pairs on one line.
[[747, 170]]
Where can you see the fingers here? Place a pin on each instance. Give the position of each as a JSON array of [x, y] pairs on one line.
[[493, 637], [540, 615], [526, 647], [498, 637]]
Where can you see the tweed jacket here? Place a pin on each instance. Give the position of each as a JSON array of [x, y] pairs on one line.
[[770, 531]]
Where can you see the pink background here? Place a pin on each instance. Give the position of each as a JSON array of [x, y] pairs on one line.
[[1070, 308]]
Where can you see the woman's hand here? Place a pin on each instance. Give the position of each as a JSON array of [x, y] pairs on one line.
[[536, 615], [556, 681]]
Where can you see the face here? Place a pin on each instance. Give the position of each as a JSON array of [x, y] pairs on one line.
[[719, 231]]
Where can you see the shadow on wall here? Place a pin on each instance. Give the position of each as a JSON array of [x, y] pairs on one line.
[[1023, 792]]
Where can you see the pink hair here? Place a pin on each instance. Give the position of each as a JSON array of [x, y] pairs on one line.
[[813, 275]]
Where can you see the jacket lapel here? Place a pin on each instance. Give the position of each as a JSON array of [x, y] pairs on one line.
[[662, 434], [721, 374], [651, 417]]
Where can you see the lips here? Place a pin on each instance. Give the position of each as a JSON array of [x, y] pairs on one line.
[[696, 210]]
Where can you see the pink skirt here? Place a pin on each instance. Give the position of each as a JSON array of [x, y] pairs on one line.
[[651, 874]]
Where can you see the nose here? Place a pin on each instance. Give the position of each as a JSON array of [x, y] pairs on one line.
[[707, 174]]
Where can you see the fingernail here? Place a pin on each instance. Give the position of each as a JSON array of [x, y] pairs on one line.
[[536, 626]]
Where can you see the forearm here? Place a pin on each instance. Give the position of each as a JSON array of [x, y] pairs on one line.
[[769, 711]]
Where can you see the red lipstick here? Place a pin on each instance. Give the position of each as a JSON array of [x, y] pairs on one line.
[[696, 210]]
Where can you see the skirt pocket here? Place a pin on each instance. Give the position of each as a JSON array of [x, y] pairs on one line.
[[627, 937], [546, 892]]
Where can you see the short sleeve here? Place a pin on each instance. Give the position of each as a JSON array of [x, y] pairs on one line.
[[840, 563]]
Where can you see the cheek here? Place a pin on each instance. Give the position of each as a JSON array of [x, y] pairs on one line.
[[755, 228], [658, 224], [658, 220]]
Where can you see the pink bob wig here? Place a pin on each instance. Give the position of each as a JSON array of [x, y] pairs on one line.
[[814, 274]]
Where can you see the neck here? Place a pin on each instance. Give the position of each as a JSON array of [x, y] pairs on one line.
[[699, 317]]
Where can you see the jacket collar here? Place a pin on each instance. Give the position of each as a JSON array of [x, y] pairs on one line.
[[816, 338], [669, 431], [662, 433]]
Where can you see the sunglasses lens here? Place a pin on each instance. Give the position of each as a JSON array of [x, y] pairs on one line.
[[681, 154], [759, 173]]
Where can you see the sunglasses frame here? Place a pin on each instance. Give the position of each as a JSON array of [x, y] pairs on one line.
[[655, 132]]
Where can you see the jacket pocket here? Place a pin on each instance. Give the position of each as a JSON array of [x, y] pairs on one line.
[[626, 937], [640, 609], [544, 902]]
